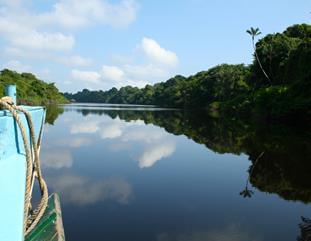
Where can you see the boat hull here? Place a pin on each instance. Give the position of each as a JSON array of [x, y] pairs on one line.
[[13, 171], [50, 227]]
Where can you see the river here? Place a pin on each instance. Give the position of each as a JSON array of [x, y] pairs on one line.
[[136, 173]]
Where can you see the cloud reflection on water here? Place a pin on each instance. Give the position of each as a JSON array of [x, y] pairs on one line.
[[56, 158], [111, 131], [154, 153], [148, 136], [86, 126], [157, 144], [75, 142], [81, 191]]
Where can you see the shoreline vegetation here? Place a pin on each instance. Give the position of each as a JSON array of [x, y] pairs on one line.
[[31, 90], [237, 90]]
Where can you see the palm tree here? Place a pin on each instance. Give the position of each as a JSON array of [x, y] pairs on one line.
[[255, 32], [246, 192]]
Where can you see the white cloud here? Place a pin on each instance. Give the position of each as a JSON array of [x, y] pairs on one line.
[[45, 73], [74, 60], [80, 191], [131, 82], [20, 67], [35, 40], [157, 53], [11, 3], [17, 66], [48, 35], [160, 64], [27, 54], [87, 76], [20, 53], [155, 153], [21, 35], [133, 75], [113, 73], [144, 72], [76, 13]]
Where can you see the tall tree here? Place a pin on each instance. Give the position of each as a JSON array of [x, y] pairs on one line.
[[253, 32]]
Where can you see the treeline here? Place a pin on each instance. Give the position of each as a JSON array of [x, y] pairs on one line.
[[31, 90], [220, 83], [237, 89]]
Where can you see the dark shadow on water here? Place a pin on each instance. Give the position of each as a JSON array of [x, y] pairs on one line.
[[52, 113]]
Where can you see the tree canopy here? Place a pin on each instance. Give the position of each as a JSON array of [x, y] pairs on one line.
[[31, 90], [276, 84]]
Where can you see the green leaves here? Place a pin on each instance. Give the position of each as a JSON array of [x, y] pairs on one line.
[[30, 90], [220, 83], [283, 56], [253, 32]]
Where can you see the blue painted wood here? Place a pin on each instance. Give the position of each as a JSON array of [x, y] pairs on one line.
[[10, 90], [13, 172]]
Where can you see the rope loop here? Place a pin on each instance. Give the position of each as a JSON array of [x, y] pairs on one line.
[[33, 169]]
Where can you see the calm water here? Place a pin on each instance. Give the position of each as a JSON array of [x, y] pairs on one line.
[[143, 174]]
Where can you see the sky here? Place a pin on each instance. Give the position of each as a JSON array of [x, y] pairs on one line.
[[100, 44]]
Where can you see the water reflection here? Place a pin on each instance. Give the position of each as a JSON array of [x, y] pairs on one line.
[[75, 142], [285, 167], [231, 233], [157, 144], [305, 229], [183, 191], [154, 153], [52, 113], [80, 190], [57, 158], [247, 193]]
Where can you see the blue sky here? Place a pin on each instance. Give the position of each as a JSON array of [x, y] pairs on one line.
[[98, 44]]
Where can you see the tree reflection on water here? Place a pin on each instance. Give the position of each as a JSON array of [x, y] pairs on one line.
[[280, 155]]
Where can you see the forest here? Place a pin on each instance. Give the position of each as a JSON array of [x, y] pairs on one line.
[[31, 90], [276, 85]]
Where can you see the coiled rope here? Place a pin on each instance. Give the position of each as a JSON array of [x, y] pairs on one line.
[[33, 170]]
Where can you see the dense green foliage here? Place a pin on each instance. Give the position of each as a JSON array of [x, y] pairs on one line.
[[220, 83], [235, 89], [31, 90]]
